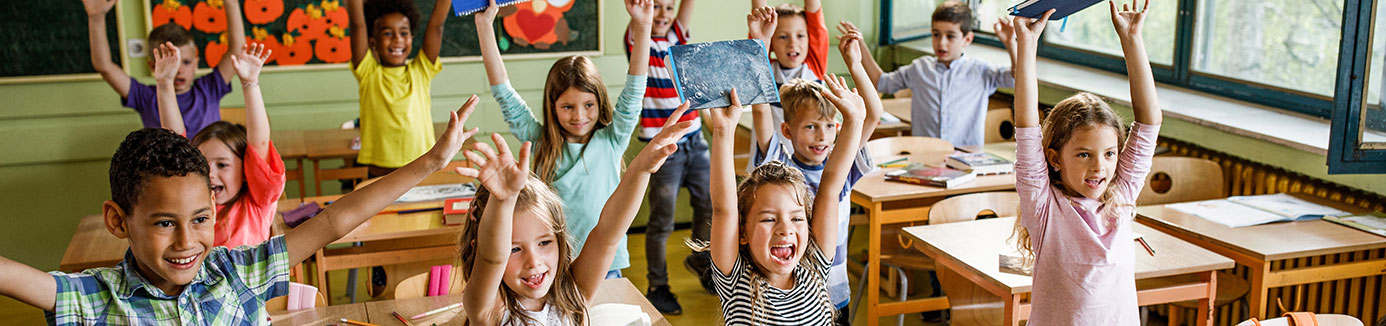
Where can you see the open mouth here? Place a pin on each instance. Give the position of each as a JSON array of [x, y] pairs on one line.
[[783, 253], [397, 52], [182, 263], [534, 281], [216, 190], [1094, 182], [819, 150]]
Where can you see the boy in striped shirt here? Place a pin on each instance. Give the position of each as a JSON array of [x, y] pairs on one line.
[[686, 168]]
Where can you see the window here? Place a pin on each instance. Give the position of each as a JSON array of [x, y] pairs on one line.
[[905, 20], [1289, 44], [1358, 140], [1091, 30]]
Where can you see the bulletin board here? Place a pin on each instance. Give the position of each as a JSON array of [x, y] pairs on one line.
[[46, 41], [314, 33]]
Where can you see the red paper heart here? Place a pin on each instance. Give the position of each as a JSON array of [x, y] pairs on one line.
[[534, 26]]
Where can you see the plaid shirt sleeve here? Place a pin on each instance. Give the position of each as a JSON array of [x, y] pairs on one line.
[[78, 299], [263, 268]]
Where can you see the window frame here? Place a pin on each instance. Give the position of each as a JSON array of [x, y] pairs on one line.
[[888, 36], [1345, 153]]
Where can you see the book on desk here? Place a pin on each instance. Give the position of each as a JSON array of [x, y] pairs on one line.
[[921, 174], [1240, 211]]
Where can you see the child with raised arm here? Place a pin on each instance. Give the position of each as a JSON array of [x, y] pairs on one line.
[[687, 168], [162, 204], [396, 123], [578, 149], [515, 252], [246, 171], [805, 139], [199, 99], [768, 234], [797, 38], [1078, 180]]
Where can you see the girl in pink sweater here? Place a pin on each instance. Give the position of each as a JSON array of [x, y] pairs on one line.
[[1078, 184]]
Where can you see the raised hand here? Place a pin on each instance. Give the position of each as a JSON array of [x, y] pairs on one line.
[[1129, 20], [663, 144], [488, 16], [762, 23], [850, 45], [454, 136], [725, 119], [641, 11], [1004, 31], [98, 7], [501, 174], [249, 61], [847, 100], [1027, 30], [167, 59]]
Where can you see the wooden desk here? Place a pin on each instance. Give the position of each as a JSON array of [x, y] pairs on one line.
[[889, 202], [970, 250], [92, 246], [1325, 267], [321, 315], [611, 291], [335, 144], [291, 148]]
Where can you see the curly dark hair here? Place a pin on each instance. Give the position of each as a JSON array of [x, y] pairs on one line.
[[374, 9], [956, 12], [152, 152]]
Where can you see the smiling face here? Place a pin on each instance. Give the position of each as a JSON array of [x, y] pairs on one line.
[[1087, 162], [776, 230], [949, 40], [577, 112], [790, 42], [533, 264], [665, 14], [226, 171], [391, 41], [170, 229], [812, 134]]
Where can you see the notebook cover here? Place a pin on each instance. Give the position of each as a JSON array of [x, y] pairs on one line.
[[1062, 8], [433, 275], [704, 73], [444, 279], [467, 7], [930, 176]]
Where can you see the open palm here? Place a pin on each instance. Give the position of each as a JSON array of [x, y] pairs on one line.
[[499, 172], [166, 61], [1128, 21], [249, 61]]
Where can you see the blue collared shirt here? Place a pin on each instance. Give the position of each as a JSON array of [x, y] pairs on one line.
[[948, 101]]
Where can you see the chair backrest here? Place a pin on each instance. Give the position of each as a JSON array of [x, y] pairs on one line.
[[417, 286], [1000, 126], [233, 115], [917, 149], [1174, 179], [1321, 319], [968, 207], [281, 303]]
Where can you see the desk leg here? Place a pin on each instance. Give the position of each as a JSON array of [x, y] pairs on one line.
[[1012, 313], [873, 263], [1257, 296], [321, 270], [1205, 305]]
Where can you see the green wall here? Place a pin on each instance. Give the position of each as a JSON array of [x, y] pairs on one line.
[[56, 138]]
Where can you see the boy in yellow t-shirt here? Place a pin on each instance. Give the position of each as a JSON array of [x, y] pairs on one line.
[[395, 120]]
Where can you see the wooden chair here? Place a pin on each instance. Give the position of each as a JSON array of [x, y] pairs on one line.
[[417, 286], [1231, 288], [1174, 179], [915, 149], [233, 115], [1321, 319], [281, 303], [961, 209], [1000, 126]]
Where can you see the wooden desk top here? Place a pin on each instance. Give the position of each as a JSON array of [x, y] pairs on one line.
[[336, 143], [92, 246], [1268, 242], [289, 143], [874, 188], [975, 245], [321, 315], [611, 291]]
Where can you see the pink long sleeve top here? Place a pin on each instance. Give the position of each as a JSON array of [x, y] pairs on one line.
[[1084, 265]]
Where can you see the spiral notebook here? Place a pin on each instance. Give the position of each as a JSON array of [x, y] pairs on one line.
[[705, 73], [468, 7]]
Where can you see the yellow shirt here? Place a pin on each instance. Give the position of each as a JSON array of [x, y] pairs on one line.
[[396, 126]]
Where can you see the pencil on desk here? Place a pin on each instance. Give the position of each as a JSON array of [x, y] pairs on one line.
[[893, 161], [435, 311], [898, 165], [359, 323], [401, 318], [1146, 245]]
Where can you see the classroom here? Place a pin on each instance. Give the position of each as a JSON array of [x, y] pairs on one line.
[[1240, 144]]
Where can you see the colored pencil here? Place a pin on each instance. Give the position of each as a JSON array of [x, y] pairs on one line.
[[401, 318], [435, 311], [359, 323], [892, 161], [1146, 245]]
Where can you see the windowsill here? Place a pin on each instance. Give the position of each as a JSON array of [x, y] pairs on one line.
[[1304, 133]]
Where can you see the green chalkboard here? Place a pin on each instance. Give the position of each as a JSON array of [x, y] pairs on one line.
[[49, 38], [306, 32]]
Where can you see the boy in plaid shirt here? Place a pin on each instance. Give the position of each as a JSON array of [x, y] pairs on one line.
[[172, 275]]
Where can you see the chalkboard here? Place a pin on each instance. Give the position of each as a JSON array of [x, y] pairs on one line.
[[307, 32], [49, 38]]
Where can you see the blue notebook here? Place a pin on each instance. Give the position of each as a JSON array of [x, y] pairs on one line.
[[704, 73], [468, 7], [1062, 8]]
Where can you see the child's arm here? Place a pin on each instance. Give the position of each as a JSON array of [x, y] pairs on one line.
[[28, 285], [1005, 32], [360, 37], [100, 46], [641, 16], [761, 23], [1027, 33], [811, 5], [235, 38], [358, 206], [247, 66], [722, 185], [685, 13], [166, 60], [1128, 25], [824, 220], [433, 36], [591, 264], [763, 120], [850, 46], [490, 52], [873, 70], [504, 177]]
